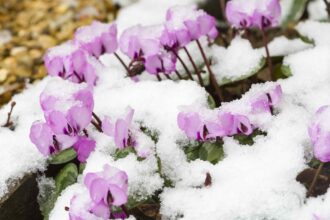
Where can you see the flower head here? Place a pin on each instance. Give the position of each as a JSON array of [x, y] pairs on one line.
[[228, 124], [120, 130], [142, 44], [253, 13], [268, 101], [192, 124], [67, 107], [69, 61], [319, 132], [68, 110], [81, 208], [107, 188], [97, 38], [185, 24]]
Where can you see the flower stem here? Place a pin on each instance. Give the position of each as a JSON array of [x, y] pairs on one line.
[[178, 74], [195, 67], [328, 7], [8, 122], [123, 63], [97, 126], [167, 76], [213, 81], [184, 65], [98, 120], [311, 188], [269, 60], [158, 77], [223, 9]]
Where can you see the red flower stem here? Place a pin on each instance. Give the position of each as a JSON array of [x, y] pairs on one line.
[[123, 63], [167, 76], [213, 81], [223, 10], [195, 67], [269, 60], [178, 74], [8, 122], [311, 188], [158, 77], [97, 126], [98, 120], [184, 65]]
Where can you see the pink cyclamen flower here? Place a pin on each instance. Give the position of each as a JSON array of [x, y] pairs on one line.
[[84, 146], [228, 124], [142, 44], [120, 130], [69, 61], [68, 110], [67, 106], [267, 101], [253, 13], [107, 188], [319, 132], [192, 124], [185, 24], [81, 208], [97, 38]]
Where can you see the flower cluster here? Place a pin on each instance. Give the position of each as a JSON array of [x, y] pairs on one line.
[[319, 132], [151, 48], [142, 45], [66, 114], [185, 24], [107, 191], [97, 38], [253, 13], [228, 123], [69, 61]]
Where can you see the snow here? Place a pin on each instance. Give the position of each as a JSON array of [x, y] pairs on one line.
[[252, 182], [150, 15], [282, 46], [317, 31], [232, 63], [317, 10], [26, 111]]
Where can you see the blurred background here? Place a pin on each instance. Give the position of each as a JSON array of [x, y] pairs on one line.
[[29, 27]]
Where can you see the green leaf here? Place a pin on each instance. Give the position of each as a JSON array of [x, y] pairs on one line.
[[295, 12], [255, 70], [122, 153], [46, 199], [63, 156], [282, 71], [66, 177], [211, 102], [286, 70], [82, 167], [212, 152]]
